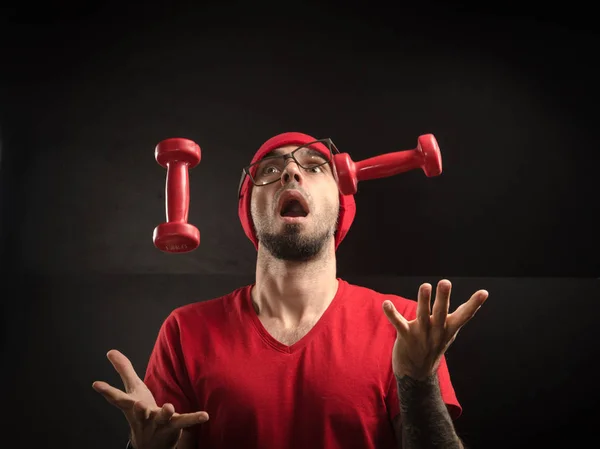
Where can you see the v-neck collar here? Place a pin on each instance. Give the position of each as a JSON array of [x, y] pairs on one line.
[[318, 326]]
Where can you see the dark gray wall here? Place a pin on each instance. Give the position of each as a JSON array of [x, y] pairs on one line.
[[86, 101], [523, 369], [86, 94]]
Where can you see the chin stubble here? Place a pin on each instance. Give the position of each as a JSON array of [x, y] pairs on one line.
[[291, 245]]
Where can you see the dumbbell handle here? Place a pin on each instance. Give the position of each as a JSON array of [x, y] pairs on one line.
[[389, 164], [177, 192], [425, 156]]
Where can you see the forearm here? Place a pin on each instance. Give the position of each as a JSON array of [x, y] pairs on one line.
[[425, 421]]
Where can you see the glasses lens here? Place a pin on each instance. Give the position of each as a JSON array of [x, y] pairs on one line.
[[267, 170], [308, 157], [270, 168]]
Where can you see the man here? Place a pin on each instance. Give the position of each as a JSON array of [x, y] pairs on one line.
[[301, 358]]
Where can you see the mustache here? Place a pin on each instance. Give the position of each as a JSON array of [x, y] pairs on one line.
[[292, 186]]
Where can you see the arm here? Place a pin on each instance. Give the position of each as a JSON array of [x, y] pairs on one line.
[[416, 359], [424, 421]]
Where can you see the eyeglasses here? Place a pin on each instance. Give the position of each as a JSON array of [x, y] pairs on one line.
[[269, 169]]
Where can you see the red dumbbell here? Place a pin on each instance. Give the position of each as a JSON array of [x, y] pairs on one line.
[[177, 235], [425, 156]]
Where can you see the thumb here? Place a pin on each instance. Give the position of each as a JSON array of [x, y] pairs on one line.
[[182, 421], [397, 320]]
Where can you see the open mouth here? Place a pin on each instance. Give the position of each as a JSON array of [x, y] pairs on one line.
[[293, 206]]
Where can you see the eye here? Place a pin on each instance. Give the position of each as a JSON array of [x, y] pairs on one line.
[[315, 169], [269, 170]]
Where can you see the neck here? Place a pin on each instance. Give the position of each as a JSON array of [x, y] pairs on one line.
[[294, 291]]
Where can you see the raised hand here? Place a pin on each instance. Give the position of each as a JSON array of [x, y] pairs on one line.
[[152, 427], [420, 343]]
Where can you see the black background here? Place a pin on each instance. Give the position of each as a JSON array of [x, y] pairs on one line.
[[509, 92]]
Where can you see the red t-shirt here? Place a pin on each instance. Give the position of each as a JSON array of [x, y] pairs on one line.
[[334, 388]]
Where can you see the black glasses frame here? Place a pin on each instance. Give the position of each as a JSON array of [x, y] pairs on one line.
[[327, 142]]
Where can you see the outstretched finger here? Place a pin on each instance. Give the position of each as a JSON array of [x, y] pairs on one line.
[[124, 368], [441, 303], [466, 311], [424, 305], [184, 420], [164, 414], [113, 395], [397, 320]]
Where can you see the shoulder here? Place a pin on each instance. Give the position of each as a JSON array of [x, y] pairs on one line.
[[209, 310], [373, 298]]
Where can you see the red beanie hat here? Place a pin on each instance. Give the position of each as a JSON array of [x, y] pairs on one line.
[[347, 204]]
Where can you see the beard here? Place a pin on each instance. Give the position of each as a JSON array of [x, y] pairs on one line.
[[291, 244]]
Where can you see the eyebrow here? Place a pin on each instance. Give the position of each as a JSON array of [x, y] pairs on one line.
[[310, 151]]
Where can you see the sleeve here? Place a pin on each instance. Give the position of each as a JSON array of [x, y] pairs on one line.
[[446, 389], [166, 374]]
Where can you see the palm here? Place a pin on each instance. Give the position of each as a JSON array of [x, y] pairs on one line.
[[151, 425], [420, 343], [140, 392], [419, 353]]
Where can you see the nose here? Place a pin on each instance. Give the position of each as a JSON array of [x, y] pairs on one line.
[[291, 172]]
